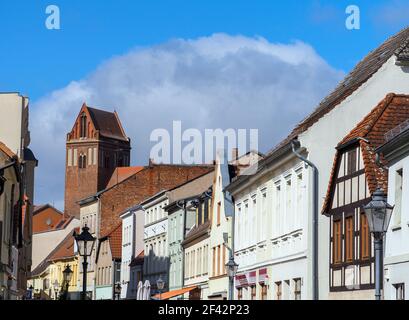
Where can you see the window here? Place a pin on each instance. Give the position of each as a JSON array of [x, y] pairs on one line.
[[279, 290], [240, 294], [351, 161], [349, 239], [83, 130], [337, 240], [219, 204], [218, 260], [214, 261], [365, 238], [297, 289], [224, 260], [253, 293], [400, 291], [398, 197], [263, 292], [82, 161]]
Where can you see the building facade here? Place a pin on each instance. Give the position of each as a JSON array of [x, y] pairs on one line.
[[396, 263], [132, 245], [271, 230], [156, 258], [108, 265], [196, 246], [181, 218], [356, 174], [15, 136]]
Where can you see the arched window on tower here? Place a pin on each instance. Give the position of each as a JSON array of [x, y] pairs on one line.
[[82, 161], [83, 132]]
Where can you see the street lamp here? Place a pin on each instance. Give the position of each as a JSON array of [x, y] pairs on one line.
[[160, 284], [118, 289], [67, 275], [55, 286], [378, 213], [85, 243], [231, 270]]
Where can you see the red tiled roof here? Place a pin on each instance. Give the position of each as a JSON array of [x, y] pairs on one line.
[[390, 112], [65, 248], [107, 123], [115, 241], [122, 173], [46, 217]]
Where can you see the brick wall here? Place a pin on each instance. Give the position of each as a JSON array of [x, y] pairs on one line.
[[141, 186]]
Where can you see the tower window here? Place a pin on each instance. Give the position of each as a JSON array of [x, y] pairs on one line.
[[83, 129], [82, 161]]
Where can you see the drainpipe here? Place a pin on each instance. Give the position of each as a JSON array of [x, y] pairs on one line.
[[295, 148], [183, 207]]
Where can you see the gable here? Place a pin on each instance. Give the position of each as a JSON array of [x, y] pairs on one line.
[[348, 184], [97, 123]]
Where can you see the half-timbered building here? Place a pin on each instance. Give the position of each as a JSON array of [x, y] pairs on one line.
[[355, 175]]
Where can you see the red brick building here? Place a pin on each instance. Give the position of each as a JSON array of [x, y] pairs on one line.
[[142, 185], [96, 145]]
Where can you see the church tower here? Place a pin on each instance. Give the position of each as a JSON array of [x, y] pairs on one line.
[[96, 145]]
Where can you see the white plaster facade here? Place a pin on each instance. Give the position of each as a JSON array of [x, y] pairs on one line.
[[271, 232], [396, 260], [132, 245], [321, 139], [156, 259]]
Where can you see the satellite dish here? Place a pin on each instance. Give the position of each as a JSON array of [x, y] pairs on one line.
[[48, 222]]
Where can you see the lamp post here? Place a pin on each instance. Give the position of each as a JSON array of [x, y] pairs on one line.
[[67, 275], [160, 284], [85, 243], [378, 213], [231, 270]]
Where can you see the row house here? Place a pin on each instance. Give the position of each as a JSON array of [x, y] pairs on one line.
[[355, 175], [50, 227], [196, 248], [221, 231], [395, 151], [108, 264], [271, 230], [132, 248], [156, 258], [47, 280], [306, 233], [181, 212], [382, 71], [17, 202]]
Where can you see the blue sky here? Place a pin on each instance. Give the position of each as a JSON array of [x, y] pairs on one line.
[[211, 64], [35, 61]]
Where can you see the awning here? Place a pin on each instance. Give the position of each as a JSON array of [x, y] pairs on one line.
[[174, 293], [241, 281], [252, 278], [263, 276]]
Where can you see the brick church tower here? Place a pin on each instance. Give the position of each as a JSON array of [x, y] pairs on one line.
[[96, 145]]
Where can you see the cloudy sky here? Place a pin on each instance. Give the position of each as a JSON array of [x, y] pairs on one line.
[[235, 64]]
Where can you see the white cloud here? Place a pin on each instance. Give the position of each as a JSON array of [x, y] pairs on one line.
[[220, 81]]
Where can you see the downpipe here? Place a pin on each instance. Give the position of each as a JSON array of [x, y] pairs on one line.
[[295, 144]]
